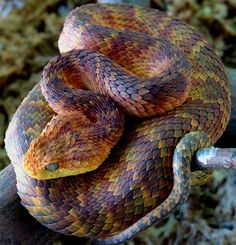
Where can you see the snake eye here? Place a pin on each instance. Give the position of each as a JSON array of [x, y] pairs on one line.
[[52, 167]]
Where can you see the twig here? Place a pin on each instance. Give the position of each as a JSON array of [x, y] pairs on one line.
[[215, 158]]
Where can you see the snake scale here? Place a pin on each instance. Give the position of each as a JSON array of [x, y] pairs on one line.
[[130, 84]]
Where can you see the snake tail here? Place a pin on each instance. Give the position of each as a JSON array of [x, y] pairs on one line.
[[182, 158]]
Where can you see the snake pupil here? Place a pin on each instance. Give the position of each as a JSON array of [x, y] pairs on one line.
[[51, 167]]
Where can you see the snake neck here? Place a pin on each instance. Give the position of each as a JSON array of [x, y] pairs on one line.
[[66, 76]]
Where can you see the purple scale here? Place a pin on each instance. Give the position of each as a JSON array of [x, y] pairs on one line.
[[124, 95], [131, 90], [121, 88]]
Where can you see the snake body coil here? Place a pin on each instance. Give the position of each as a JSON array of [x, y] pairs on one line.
[[116, 61]]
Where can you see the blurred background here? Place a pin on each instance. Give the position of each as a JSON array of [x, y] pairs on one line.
[[29, 31]]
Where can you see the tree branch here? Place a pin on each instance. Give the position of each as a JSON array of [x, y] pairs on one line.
[[215, 158]]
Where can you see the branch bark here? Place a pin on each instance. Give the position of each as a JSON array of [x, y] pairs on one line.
[[215, 158]]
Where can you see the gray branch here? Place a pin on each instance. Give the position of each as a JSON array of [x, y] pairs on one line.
[[215, 158]]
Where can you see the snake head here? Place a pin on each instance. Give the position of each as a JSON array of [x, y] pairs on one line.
[[67, 147]]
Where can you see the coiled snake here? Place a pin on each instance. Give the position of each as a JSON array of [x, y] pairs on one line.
[[118, 65]]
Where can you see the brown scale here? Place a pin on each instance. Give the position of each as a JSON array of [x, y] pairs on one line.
[[130, 190]]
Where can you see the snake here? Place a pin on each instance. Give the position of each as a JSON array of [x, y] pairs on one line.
[[102, 145]]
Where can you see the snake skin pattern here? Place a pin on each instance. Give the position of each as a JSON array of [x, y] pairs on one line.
[[145, 177]]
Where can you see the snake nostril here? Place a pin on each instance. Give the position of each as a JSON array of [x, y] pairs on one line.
[[52, 167]]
